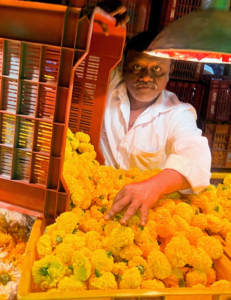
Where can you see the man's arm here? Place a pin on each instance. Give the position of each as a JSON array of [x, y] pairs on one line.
[[133, 195]]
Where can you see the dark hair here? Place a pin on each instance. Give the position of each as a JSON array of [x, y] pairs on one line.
[[139, 42]]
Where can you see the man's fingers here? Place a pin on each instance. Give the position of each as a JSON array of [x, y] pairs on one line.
[[118, 196], [143, 215], [131, 211], [117, 208]]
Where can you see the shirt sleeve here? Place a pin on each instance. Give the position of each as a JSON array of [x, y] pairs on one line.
[[188, 151]]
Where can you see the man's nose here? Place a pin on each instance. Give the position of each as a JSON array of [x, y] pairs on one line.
[[146, 75]]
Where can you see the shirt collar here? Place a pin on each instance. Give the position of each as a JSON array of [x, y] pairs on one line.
[[163, 104]]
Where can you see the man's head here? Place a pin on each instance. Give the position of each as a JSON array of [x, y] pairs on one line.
[[145, 76]]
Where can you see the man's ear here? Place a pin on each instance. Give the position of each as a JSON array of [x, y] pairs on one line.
[[171, 70]]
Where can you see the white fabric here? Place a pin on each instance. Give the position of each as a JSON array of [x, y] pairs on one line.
[[164, 136]]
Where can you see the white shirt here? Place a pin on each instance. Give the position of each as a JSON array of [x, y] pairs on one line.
[[164, 136]]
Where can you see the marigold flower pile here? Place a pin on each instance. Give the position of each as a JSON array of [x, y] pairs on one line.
[[83, 251], [14, 232]]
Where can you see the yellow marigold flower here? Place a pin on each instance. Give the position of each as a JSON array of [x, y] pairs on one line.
[[122, 236], [88, 225], [128, 252], [221, 284], [166, 227], [137, 261], [159, 264], [161, 213], [89, 155], [102, 260], [193, 234], [134, 223], [82, 137], [93, 240], [152, 284], [47, 272], [81, 266], [211, 245], [182, 225], [200, 221], [227, 181], [57, 237], [70, 169], [201, 201], [151, 225], [168, 204], [211, 275], [174, 279], [185, 211], [68, 284], [74, 143], [50, 228], [199, 259], [142, 234], [196, 277], [103, 281], [133, 172], [44, 245], [147, 246], [131, 279], [67, 221], [213, 223], [64, 252], [226, 228], [79, 213], [215, 209], [70, 134], [77, 197], [119, 268], [177, 251], [148, 274], [97, 212], [227, 214], [86, 203], [85, 147], [75, 241]]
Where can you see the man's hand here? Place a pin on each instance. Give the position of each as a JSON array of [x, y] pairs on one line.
[[143, 195], [137, 196]]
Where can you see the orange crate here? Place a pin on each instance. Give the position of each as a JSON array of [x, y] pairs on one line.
[[26, 285], [188, 92], [139, 12], [219, 138], [38, 64]]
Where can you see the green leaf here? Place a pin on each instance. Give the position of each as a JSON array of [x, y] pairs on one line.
[[181, 283], [101, 197], [141, 269], [70, 268], [43, 271], [90, 177], [196, 212], [141, 227], [74, 231], [216, 208], [59, 239], [109, 254], [120, 177], [93, 162], [133, 177], [103, 209], [224, 188], [69, 138], [120, 277], [103, 227], [124, 260], [97, 273]]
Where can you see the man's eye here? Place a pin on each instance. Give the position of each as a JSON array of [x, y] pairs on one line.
[[157, 69], [137, 67]]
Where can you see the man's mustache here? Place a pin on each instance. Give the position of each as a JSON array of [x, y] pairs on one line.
[[149, 84]]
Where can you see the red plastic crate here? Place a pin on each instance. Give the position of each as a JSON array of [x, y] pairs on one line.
[[188, 92], [219, 138], [217, 102], [38, 64], [139, 12], [177, 9], [186, 70]]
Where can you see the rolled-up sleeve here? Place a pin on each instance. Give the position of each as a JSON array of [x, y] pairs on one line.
[[188, 151]]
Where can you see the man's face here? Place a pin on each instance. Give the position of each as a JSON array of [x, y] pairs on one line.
[[145, 76]]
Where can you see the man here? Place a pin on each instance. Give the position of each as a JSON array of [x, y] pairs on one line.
[[146, 126]]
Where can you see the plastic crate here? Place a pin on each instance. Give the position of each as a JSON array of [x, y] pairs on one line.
[[186, 70], [138, 11], [37, 66], [26, 285], [188, 92], [217, 102], [177, 9], [219, 138]]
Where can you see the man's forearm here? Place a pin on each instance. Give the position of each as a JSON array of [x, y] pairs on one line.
[[169, 181]]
